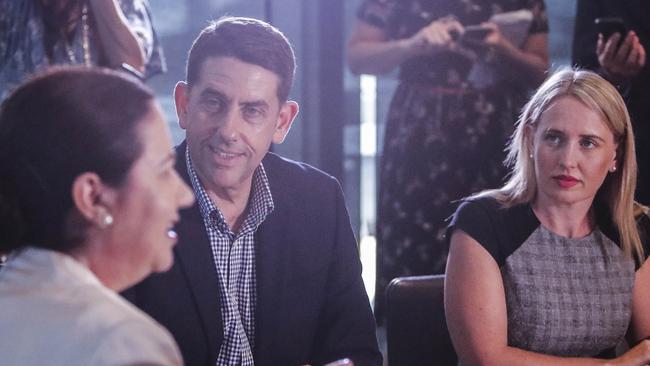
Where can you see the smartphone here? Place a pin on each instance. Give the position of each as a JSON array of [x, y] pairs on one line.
[[610, 25], [476, 32]]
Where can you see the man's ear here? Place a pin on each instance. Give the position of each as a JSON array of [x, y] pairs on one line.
[[288, 113], [181, 99], [92, 198]]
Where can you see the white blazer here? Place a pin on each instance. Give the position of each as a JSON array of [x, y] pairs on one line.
[[54, 311]]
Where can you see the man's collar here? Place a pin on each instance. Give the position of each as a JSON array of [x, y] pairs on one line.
[[260, 202]]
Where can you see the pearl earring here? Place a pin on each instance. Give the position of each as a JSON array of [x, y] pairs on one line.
[[105, 219], [613, 169]]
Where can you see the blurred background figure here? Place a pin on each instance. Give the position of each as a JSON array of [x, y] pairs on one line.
[[621, 59], [465, 68], [551, 269], [35, 34], [88, 200]]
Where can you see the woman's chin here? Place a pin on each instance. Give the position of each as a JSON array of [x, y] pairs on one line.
[[163, 264]]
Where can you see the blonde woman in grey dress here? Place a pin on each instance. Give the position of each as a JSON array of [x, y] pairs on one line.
[[550, 269]]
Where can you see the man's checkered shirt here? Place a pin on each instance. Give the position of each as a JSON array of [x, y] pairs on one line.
[[234, 258]]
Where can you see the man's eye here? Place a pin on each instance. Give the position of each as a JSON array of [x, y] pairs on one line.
[[214, 103], [253, 112]]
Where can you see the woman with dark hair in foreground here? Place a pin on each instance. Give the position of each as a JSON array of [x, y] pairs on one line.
[[550, 269], [88, 200]]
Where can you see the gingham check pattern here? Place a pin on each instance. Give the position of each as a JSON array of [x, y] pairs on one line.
[[234, 258]]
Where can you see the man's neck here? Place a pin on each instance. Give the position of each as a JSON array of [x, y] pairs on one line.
[[233, 205]]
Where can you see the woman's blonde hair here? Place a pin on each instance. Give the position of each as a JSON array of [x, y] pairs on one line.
[[617, 191]]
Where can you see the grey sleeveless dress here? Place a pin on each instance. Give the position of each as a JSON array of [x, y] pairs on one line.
[[564, 296]]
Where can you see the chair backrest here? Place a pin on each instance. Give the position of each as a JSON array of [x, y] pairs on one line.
[[416, 329]]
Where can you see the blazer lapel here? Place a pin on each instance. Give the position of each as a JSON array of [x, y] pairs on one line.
[[271, 261], [271, 274], [194, 255]]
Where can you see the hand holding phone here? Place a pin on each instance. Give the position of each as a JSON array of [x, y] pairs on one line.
[[610, 25], [474, 35], [476, 32], [620, 58], [438, 36]]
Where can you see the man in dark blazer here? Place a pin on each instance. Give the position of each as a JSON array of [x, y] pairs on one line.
[[266, 267]]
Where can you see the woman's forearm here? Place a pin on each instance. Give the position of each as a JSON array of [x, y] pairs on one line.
[[119, 42], [378, 57], [371, 52]]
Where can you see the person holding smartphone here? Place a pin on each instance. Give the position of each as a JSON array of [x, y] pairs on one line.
[[621, 59], [445, 134]]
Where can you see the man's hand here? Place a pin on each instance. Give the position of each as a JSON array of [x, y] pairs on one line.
[[620, 63]]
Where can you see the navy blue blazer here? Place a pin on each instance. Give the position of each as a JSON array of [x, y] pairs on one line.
[[312, 307]]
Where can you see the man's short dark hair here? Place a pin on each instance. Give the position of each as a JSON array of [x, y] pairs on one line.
[[249, 40]]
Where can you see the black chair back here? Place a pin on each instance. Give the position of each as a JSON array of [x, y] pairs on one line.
[[416, 329]]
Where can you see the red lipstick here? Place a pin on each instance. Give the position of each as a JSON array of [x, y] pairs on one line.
[[566, 181]]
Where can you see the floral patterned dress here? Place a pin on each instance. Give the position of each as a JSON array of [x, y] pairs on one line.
[[445, 134]]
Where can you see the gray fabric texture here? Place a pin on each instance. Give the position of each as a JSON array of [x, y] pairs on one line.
[[567, 296]]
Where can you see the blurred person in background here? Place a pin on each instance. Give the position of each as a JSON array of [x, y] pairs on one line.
[[551, 268], [460, 91], [621, 59], [88, 200], [35, 34]]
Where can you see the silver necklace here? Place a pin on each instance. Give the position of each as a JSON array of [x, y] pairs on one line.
[[85, 30]]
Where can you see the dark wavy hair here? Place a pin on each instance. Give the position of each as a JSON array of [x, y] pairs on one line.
[[54, 127], [56, 16], [249, 40]]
